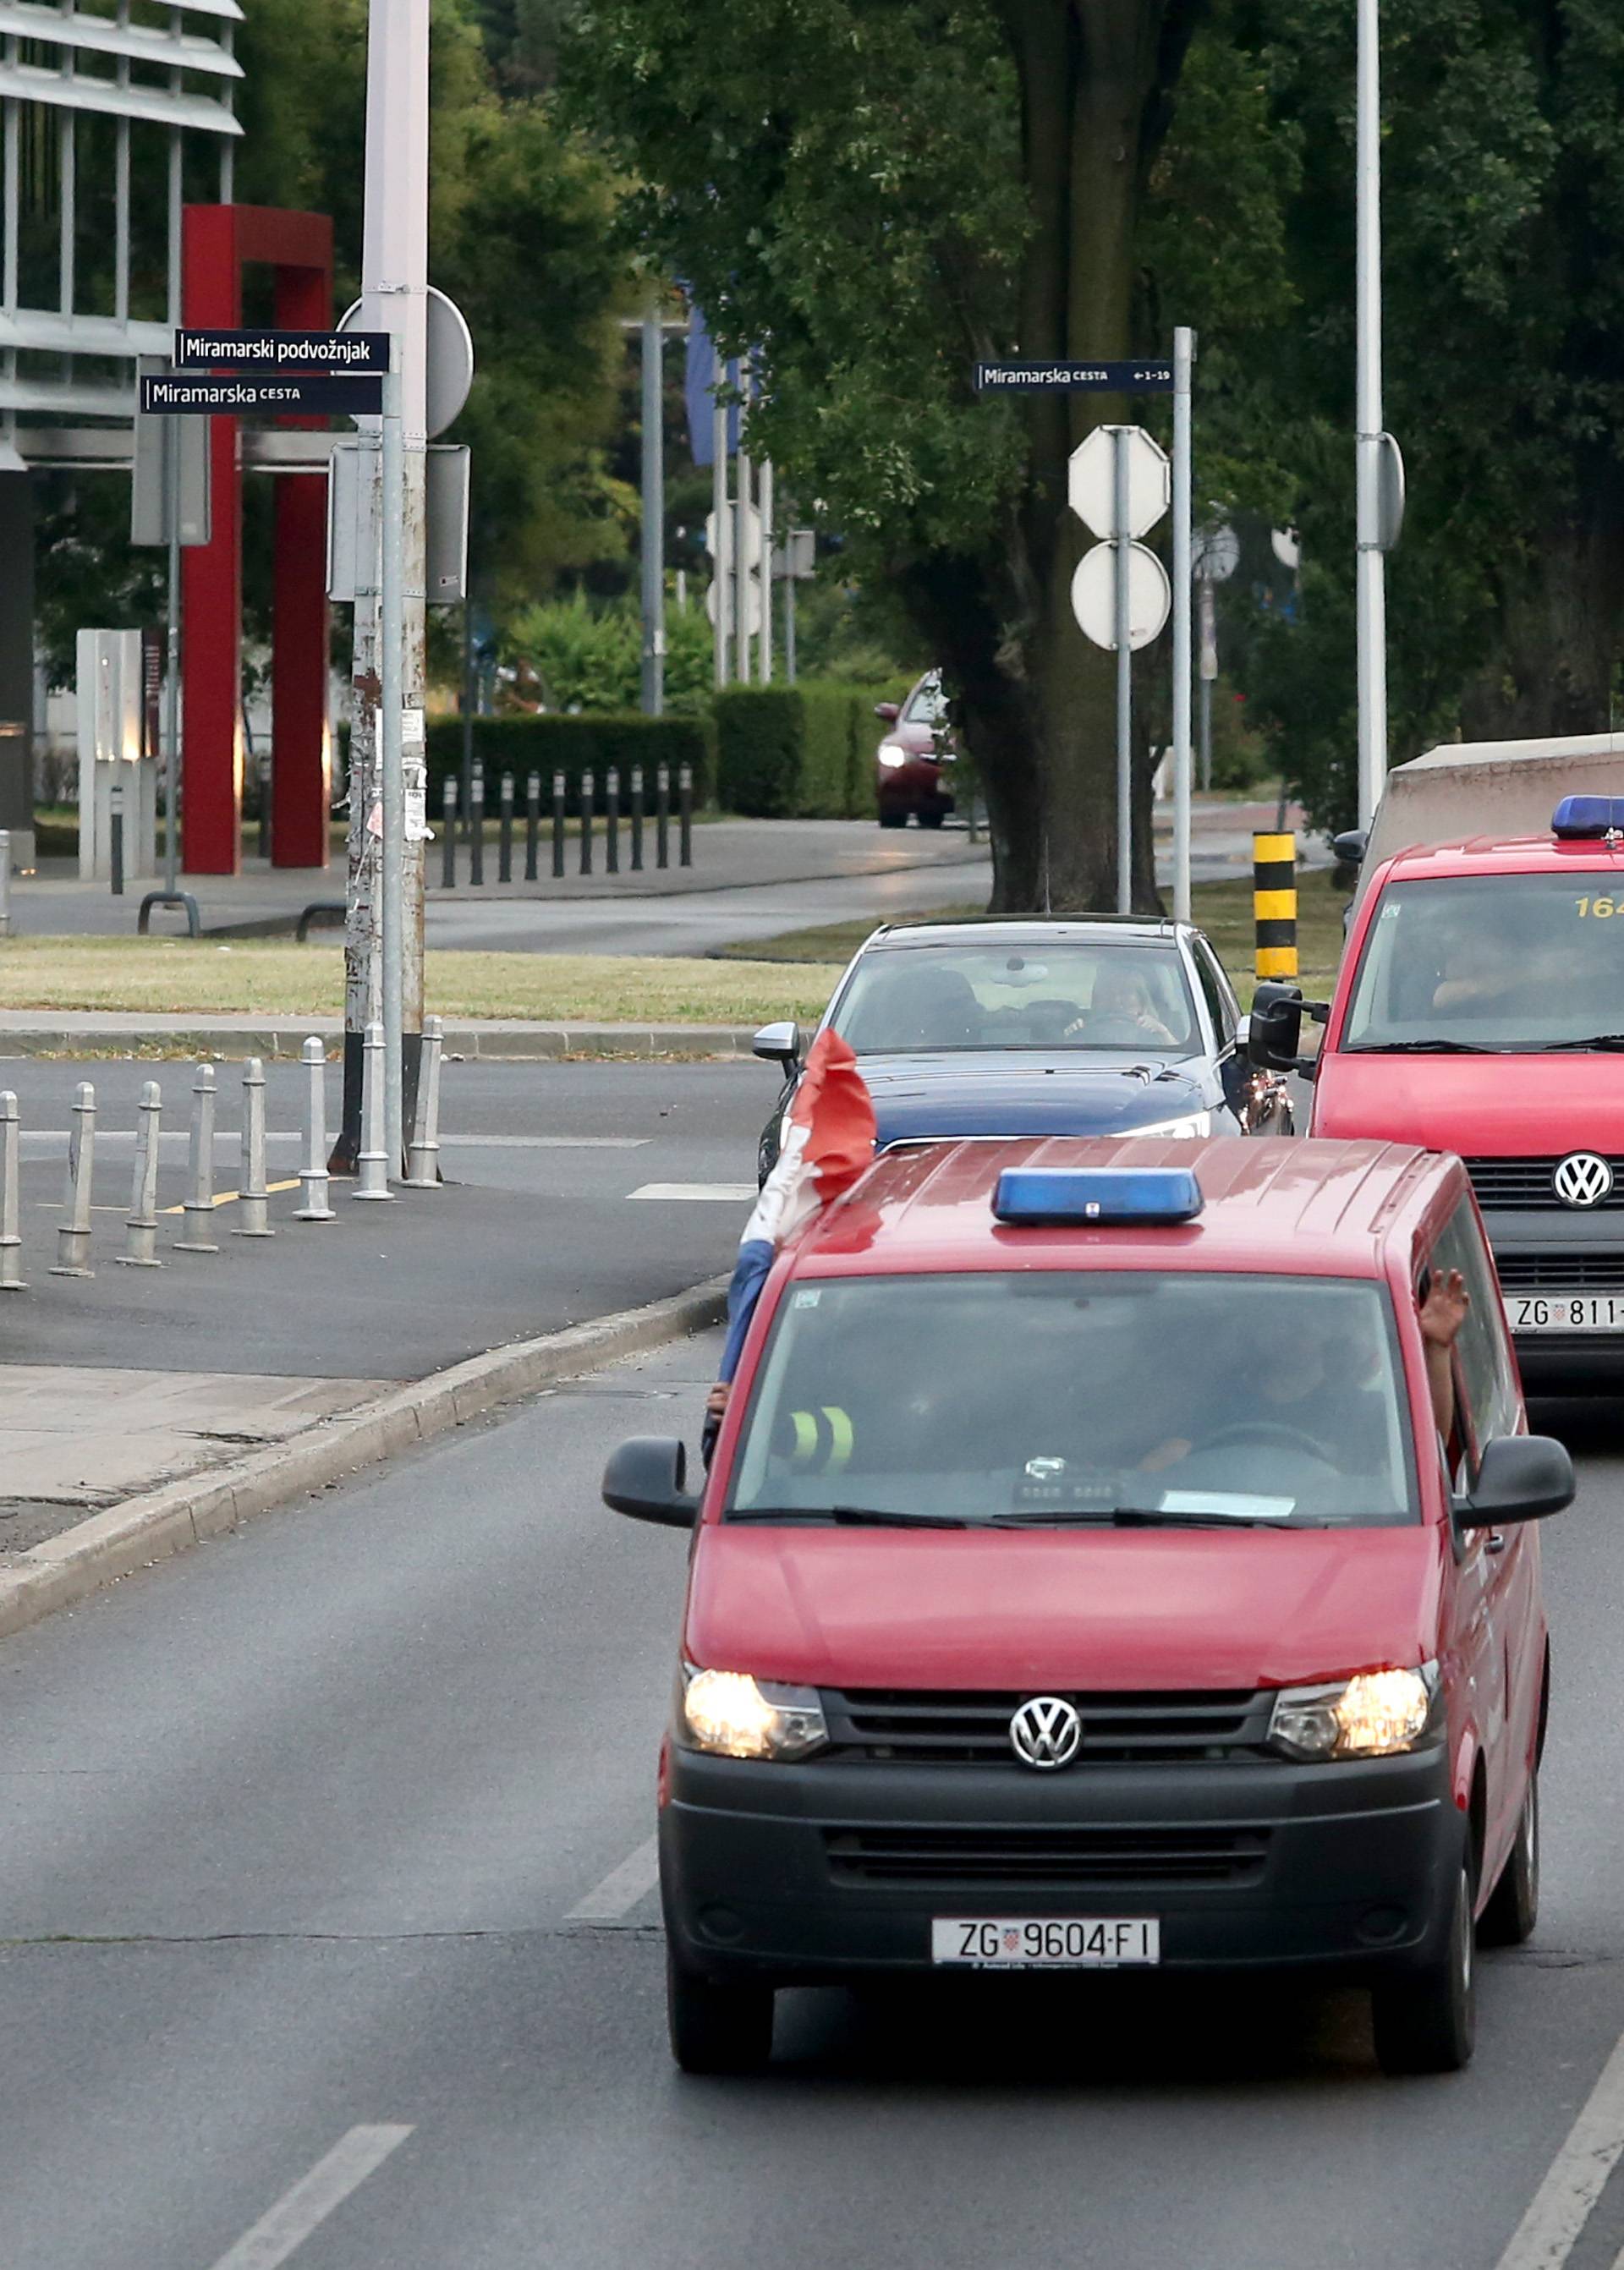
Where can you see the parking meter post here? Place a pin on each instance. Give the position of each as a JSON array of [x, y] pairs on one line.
[[504, 849], [372, 1162], [141, 1229], [637, 818], [197, 1222], [73, 1231], [588, 797], [685, 815], [560, 815], [253, 1198], [1274, 904], [476, 825], [662, 815], [313, 1186], [10, 1237], [532, 824], [611, 820], [423, 1159], [447, 829]]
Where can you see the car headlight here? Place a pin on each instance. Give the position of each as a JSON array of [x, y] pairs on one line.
[[734, 1716], [1191, 1124], [891, 755], [1374, 1715]]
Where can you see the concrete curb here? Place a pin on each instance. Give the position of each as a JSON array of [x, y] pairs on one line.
[[45, 1034], [67, 1569]]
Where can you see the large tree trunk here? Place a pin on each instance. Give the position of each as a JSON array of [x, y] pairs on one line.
[[1562, 630]]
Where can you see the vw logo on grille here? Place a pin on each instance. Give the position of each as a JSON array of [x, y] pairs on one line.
[[1581, 1179], [1046, 1733]]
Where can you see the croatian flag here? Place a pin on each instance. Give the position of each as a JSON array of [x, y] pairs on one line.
[[828, 1142]]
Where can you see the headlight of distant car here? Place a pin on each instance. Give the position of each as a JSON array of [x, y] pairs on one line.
[[733, 1716], [892, 754], [1374, 1715], [1192, 1122]]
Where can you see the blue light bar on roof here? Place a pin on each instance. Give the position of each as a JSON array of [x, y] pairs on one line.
[[1589, 816], [1030, 1196]]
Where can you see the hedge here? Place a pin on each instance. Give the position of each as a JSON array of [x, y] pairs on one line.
[[801, 752]]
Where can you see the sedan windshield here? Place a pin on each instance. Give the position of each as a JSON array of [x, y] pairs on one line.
[[1493, 961], [1072, 995], [1065, 1398]]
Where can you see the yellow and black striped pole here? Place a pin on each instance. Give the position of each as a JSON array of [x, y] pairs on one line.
[[1274, 904]]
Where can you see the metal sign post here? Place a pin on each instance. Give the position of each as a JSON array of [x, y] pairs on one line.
[[1371, 589], [1124, 675], [1184, 360], [391, 658]]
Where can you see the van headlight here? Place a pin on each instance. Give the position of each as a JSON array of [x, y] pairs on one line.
[[1191, 1124], [731, 1715], [892, 755], [1376, 1714]]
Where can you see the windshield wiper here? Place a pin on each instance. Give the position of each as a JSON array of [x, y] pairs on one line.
[[1139, 1517], [1433, 1048], [1595, 1041], [858, 1516]]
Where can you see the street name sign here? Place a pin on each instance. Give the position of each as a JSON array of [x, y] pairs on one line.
[[1057, 377], [200, 395], [260, 353]]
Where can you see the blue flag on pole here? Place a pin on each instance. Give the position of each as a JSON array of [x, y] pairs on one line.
[[700, 378]]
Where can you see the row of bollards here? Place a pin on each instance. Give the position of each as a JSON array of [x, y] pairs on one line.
[[589, 809], [197, 1210]]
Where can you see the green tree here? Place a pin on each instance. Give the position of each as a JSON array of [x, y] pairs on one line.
[[877, 193]]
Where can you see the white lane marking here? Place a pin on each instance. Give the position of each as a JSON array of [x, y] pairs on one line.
[[1561, 2206], [314, 2197], [729, 1194], [549, 1142], [622, 1889]]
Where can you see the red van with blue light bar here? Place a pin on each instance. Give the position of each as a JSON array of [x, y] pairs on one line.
[[1480, 1010], [1115, 1557]]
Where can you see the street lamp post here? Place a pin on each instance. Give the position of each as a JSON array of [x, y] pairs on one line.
[[1371, 586]]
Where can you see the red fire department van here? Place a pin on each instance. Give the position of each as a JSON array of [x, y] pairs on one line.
[[1480, 1010], [1083, 1582]]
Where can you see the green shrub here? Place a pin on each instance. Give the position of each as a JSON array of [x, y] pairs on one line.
[[802, 751], [590, 659]]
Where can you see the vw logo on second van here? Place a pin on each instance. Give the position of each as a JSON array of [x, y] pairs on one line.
[[1583, 1179], [1046, 1733]]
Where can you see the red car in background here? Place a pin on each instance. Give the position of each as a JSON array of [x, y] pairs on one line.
[[909, 766]]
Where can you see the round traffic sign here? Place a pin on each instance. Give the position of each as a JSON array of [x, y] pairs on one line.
[[1091, 480], [1093, 596], [450, 359], [1215, 555], [752, 607]]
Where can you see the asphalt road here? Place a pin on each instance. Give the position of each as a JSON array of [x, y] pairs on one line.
[[538, 1225], [326, 1934]]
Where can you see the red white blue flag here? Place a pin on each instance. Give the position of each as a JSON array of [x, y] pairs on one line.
[[827, 1143]]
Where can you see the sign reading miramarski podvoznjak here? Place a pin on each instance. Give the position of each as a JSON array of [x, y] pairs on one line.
[[228, 373]]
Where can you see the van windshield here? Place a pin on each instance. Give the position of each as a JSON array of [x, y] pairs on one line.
[[1064, 1395], [1493, 961]]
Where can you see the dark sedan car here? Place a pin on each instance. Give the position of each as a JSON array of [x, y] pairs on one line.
[[913, 766], [1041, 1027]]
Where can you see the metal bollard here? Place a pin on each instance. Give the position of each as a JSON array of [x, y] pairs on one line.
[[115, 836], [11, 1240], [685, 816], [73, 1236], [558, 823], [476, 824], [612, 824], [141, 1229], [423, 1156], [588, 797], [637, 818], [313, 1193], [448, 855], [1274, 904], [504, 854], [662, 815], [6, 882], [199, 1206], [253, 1198], [373, 1161], [532, 824]]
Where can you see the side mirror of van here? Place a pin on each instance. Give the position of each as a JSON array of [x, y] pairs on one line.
[[1520, 1478], [646, 1478], [779, 1044]]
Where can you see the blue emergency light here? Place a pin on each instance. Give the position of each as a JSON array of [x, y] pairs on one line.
[[1028, 1196], [1589, 817]]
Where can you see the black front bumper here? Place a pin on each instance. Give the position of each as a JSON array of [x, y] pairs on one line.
[[1348, 1867]]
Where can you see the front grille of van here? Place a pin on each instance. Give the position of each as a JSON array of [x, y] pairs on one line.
[[1093, 1857], [913, 1727], [1561, 1272], [1526, 1183]]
